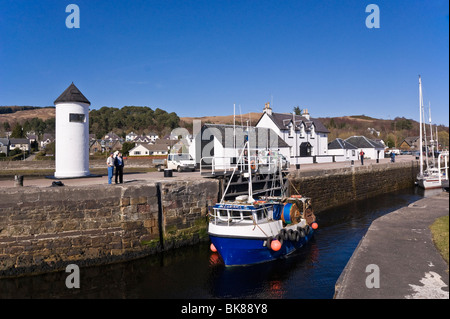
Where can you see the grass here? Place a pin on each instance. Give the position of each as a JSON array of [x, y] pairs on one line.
[[439, 231]]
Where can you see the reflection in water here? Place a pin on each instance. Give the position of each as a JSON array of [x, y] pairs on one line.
[[196, 272]]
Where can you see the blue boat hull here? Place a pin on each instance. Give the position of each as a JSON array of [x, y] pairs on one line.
[[245, 251]]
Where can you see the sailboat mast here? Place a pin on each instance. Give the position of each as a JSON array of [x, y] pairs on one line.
[[431, 135], [420, 127], [250, 186]]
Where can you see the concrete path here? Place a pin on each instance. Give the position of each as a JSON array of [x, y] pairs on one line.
[[397, 259], [154, 176]]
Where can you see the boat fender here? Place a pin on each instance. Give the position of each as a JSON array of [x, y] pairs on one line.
[[279, 238], [301, 232], [268, 242], [297, 236], [291, 234], [307, 230], [284, 235]]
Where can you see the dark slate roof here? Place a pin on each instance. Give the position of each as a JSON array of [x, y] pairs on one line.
[[341, 144], [282, 120], [261, 136], [72, 94], [364, 142]]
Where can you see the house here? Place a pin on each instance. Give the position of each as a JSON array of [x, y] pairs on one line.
[[111, 136], [95, 147], [21, 143], [410, 143], [47, 139], [372, 149], [4, 145], [152, 136], [130, 136], [140, 139], [307, 137], [149, 149], [223, 144], [343, 150]]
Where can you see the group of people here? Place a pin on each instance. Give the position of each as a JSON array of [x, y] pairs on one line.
[[115, 160]]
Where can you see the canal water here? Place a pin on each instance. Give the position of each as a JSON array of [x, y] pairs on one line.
[[197, 273]]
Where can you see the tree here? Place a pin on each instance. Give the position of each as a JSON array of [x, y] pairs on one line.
[[297, 110], [18, 131]]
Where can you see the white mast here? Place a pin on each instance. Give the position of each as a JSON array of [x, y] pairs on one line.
[[250, 186], [420, 127], [431, 135], [234, 128]]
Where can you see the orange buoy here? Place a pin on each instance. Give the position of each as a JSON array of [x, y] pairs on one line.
[[314, 225], [213, 248], [275, 245]]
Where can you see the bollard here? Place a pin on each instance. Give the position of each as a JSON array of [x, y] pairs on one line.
[[297, 166], [18, 179], [353, 162], [168, 172]]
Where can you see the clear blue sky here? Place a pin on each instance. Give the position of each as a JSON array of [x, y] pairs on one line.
[[197, 58]]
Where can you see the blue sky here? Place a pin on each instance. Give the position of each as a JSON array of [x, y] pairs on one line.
[[198, 58]]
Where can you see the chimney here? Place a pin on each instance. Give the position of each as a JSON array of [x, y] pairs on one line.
[[306, 114], [267, 109]]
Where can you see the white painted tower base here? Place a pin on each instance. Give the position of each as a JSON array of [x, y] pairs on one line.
[[72, 134]]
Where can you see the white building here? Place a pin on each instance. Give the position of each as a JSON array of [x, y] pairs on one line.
[[372, 149], [342, 150], [307, 137], [222, 144], [72, 134]]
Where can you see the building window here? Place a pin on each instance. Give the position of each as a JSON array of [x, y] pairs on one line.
[[76, 118]]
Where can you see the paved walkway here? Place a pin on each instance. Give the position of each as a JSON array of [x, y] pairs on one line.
[[399, 248], [154, 176]]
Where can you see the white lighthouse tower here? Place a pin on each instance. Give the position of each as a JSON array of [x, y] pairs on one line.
[[72, 134]]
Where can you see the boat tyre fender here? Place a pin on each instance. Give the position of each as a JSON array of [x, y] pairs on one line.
[[291, 234], [307, 230], [297, 236], [301, 232], [279, 238], [268, 242], [284, 235]]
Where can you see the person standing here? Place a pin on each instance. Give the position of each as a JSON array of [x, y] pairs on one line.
[[392, 157], [110, 164], [361, 155], [119, 164]]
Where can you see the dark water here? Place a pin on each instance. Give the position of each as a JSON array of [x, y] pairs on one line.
[[195, 272]]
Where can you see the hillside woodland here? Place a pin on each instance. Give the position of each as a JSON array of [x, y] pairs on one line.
[[143, 120]]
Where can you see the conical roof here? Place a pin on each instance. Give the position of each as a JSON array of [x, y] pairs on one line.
[[72, 94]]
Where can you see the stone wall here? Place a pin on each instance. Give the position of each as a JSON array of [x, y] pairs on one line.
[[44, 229], [331, 188]]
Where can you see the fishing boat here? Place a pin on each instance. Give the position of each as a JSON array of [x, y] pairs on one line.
[[431, 176], [247, 231]]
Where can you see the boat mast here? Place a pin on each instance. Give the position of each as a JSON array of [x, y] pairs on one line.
[[420, 127], [431, 135], [250, 187]]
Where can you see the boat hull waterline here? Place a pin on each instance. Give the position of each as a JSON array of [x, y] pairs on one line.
[[249, 251]]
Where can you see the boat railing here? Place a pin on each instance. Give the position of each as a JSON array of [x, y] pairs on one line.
[[443, 170], [258, 163], [234, 216]]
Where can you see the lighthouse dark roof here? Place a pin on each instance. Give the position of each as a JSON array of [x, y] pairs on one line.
[[72, 94]]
